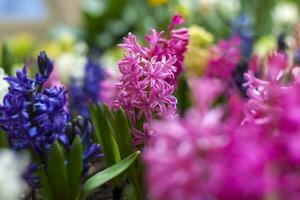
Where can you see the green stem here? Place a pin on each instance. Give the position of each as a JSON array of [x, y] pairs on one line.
[[136, 182]]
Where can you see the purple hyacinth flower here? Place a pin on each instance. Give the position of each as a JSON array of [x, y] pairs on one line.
[[35, 117]]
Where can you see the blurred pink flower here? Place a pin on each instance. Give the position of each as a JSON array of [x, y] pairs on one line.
[[264, 105], [254, 63], [108, 92], [207, 154], [185, 151], [54, 80], [224, 57], [277, 62]]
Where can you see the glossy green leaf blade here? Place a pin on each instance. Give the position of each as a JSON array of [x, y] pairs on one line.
[[103, 135], [123, 132], [120, 127], [45, 189], [57, 173], [110, 122], [108, 174], [75, 166]]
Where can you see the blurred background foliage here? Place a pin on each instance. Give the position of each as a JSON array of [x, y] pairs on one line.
[[103, 23]]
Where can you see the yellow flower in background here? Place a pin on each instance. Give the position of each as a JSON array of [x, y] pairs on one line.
[[183, 10], [156, 3], [53, 49], [66, 42], [197, 55], [264, 45], [200, 37], [21, 46], [196, 60]]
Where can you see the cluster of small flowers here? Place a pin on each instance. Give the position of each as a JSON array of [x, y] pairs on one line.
[[266, 94], [33, 117], [224, 58], [274, 106], [149, 74], [176, 150], [83, 92], [197, 55], [212, 153]]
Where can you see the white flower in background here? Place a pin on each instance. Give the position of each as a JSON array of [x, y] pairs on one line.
[[207, 6], [3, 85], [226, 7], [285, 13], [12, 166], [81, 48], [70, 65], [229, 7]]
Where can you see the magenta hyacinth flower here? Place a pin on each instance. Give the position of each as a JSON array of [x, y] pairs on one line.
[[209, 154], [148, 76], [265, 94], [175, 44], [176, 147], [224, 58]]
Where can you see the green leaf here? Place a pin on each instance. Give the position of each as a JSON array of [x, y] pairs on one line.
[[115, 7], [57, 173], [75, 167], [119, 126], [108, 174], [263, 16], [123, 133], [182, 94], [6, 62], [3, 140], [45, 189], [110, 120], [103, 135], [135, 181]]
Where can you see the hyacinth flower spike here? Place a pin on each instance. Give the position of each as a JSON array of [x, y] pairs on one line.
[[86, 90], [207, 155], [35, 119], [149, 77]]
